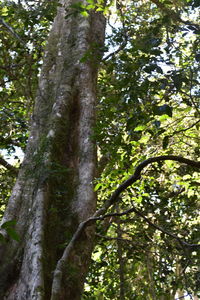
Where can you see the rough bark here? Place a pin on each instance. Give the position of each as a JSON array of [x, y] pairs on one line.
[[54, 190]]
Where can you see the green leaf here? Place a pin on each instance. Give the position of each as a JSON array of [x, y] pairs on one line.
[[150, 68], [138, 199], [165, 142], [13, 234], [90, 6], [140, 128], [97, 187], [144, 139], [84, 13], [100, 9], [163, 110], [163, 118], [178, 81], [77, 6], [8, 224]]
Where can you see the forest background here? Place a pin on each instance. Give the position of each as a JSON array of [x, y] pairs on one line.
[[148, 106]]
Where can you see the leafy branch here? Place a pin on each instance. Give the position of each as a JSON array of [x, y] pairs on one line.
[[100, 215], [185, 129], [12, 31], [124, 42], [174, 15]]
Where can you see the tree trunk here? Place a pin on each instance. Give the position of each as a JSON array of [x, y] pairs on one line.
[[54, 190]]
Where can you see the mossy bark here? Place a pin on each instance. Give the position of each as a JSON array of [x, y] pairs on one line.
[[54, 190]]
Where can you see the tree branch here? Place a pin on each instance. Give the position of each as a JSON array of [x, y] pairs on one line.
[[11, 30], [142, 165], [185, 129], [114, 53], [100, 215], [125, 37], [181, 242], [133, 209], [8, 166], [174, 15]]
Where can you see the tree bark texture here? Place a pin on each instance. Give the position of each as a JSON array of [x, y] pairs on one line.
[[54, 190]]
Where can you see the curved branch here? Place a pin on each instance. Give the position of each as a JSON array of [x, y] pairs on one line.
[[142, 165], [8, 166], [100, 215]]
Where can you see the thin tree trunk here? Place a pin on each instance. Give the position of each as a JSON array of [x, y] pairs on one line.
[[54, 190]]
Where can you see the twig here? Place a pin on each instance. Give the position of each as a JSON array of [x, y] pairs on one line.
[[124, 43], [121, 47], [191, 97], [185, 129], [174, 15], [181, 242], [11, 30]]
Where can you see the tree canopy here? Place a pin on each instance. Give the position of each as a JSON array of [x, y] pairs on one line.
[[147, 242]]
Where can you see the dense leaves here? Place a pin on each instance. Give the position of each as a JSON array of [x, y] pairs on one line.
[[23, 31]]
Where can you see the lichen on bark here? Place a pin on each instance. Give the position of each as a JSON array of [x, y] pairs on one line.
[[54, 190]]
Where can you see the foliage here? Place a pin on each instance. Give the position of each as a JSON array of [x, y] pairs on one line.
[[148, 106], [24, 28], [9, 228]]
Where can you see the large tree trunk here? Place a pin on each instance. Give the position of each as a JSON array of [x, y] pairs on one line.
[[54, 190]]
